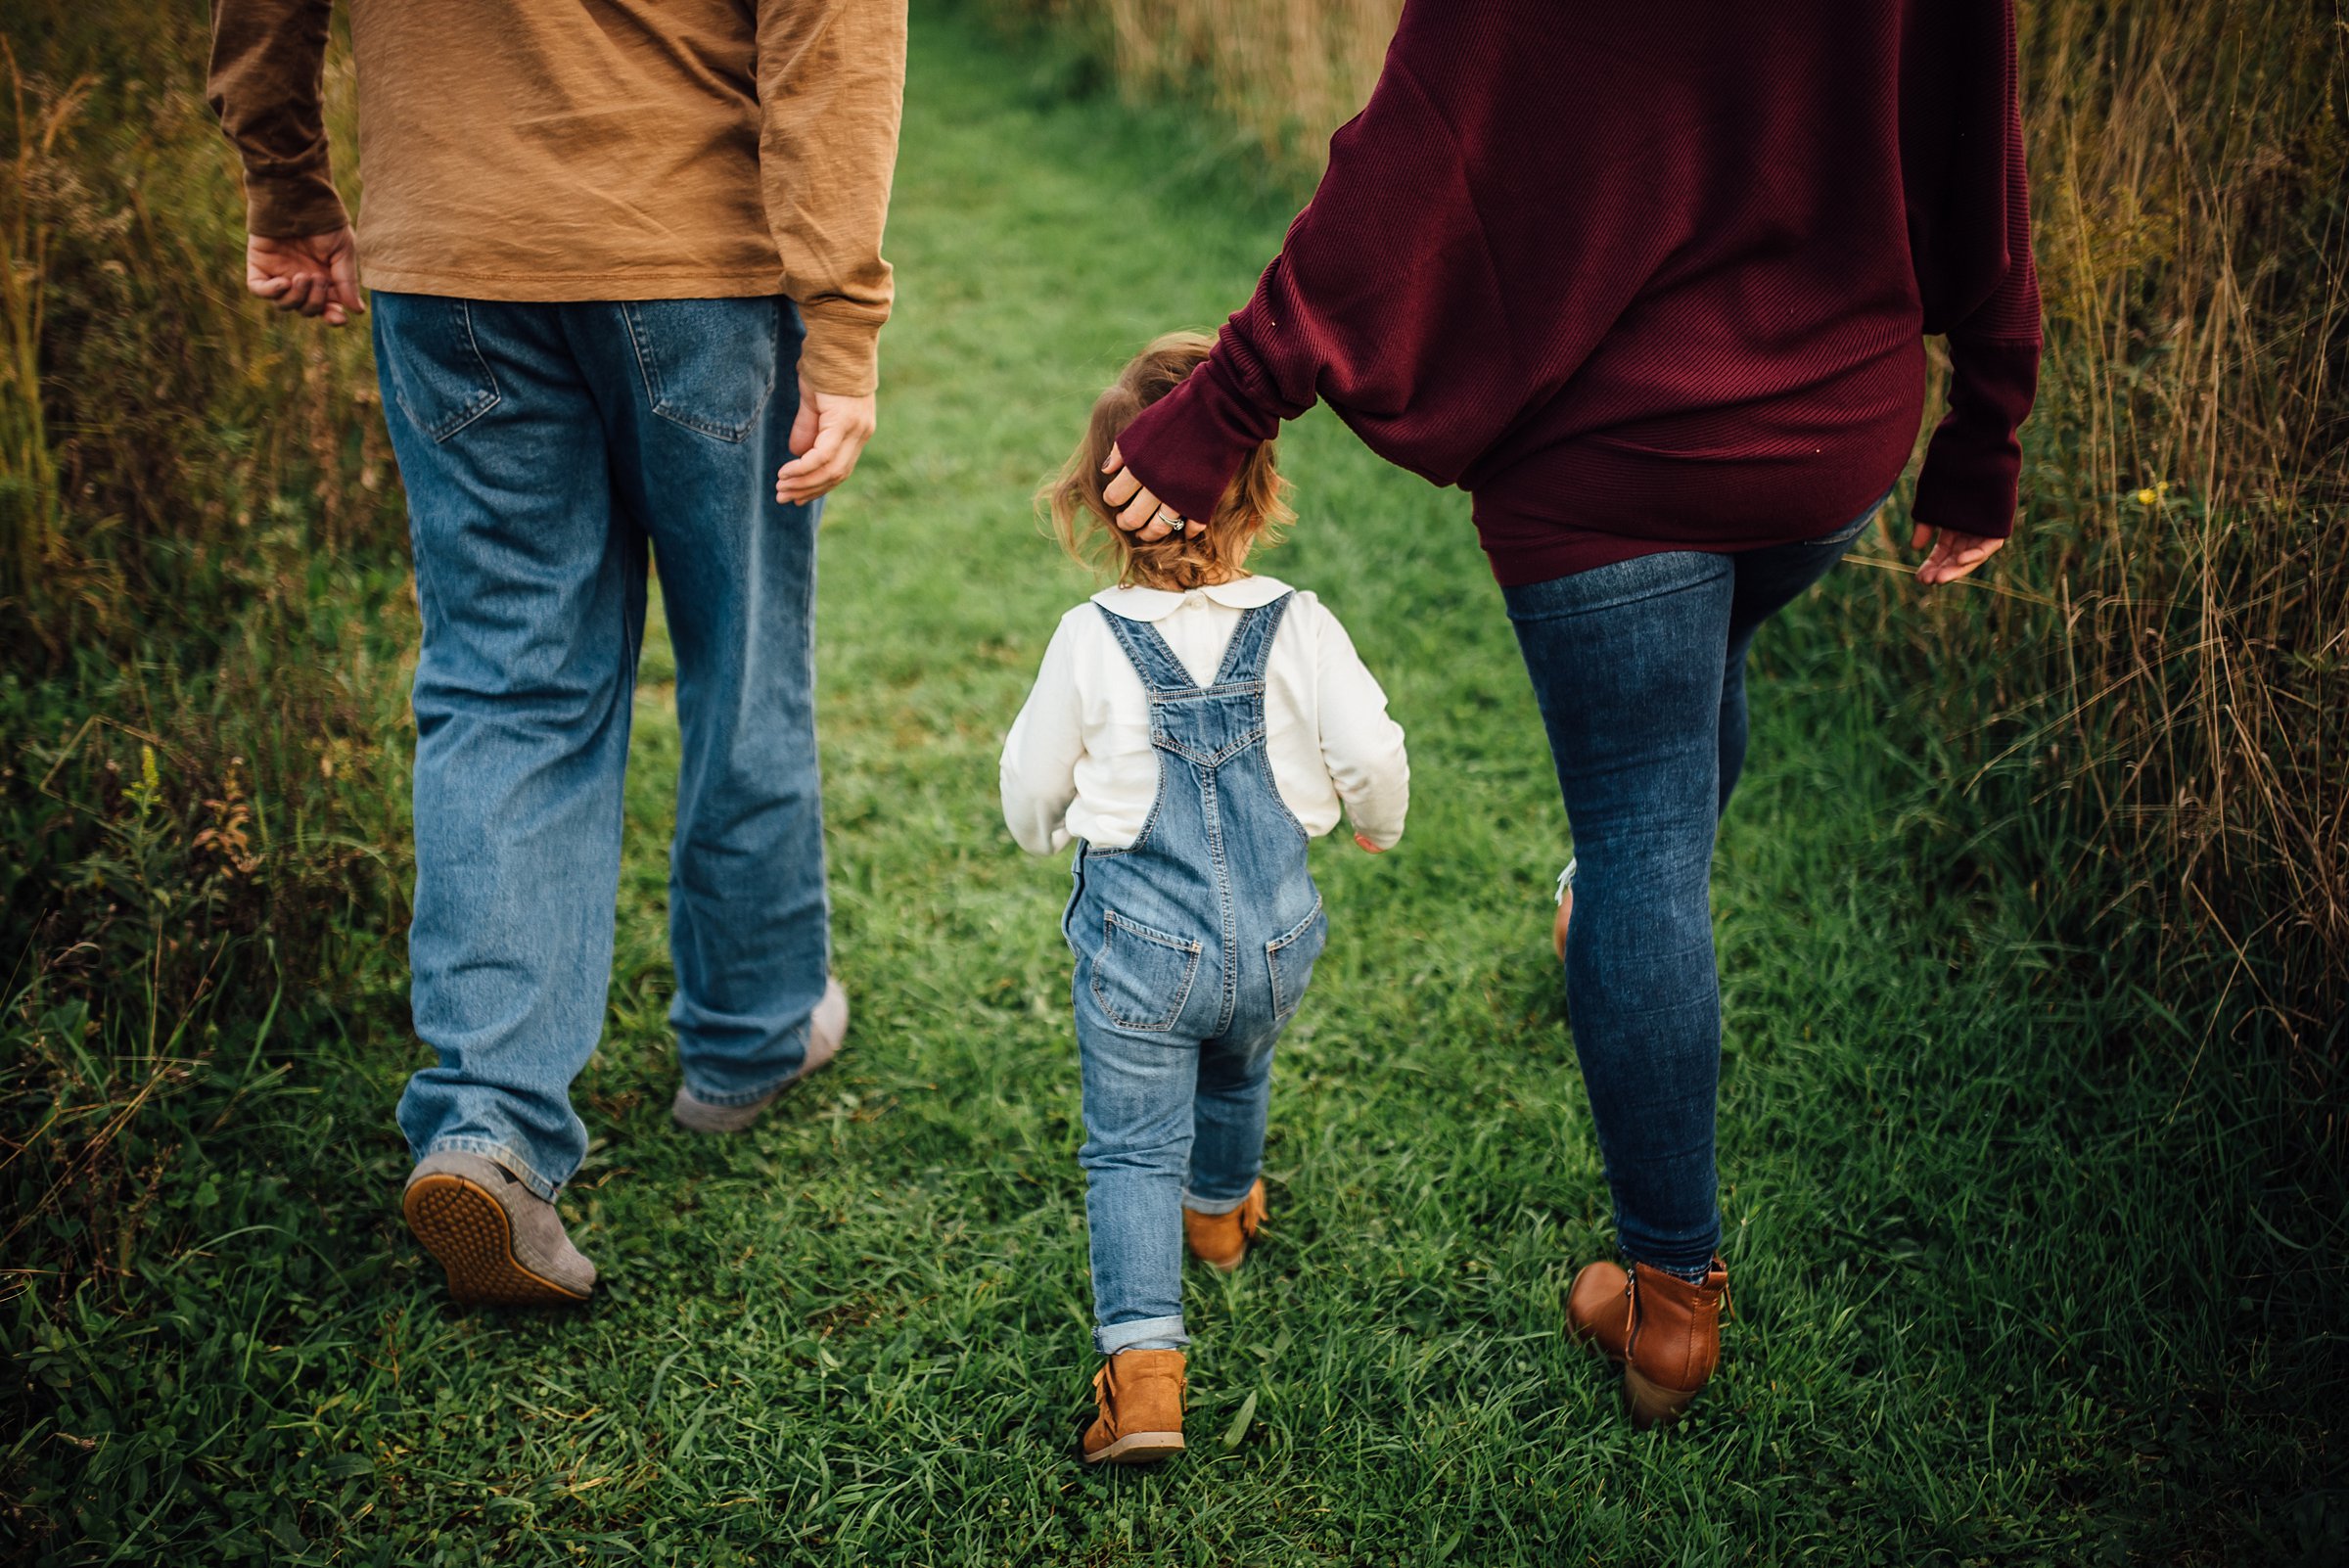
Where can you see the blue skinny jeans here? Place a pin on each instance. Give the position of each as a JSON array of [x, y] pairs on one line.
[[1639, 671]]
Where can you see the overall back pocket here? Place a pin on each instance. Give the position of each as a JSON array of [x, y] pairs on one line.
[[1141, 977], [1290, 956]]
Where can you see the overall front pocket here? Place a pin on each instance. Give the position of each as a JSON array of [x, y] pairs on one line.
[[1141, 977]]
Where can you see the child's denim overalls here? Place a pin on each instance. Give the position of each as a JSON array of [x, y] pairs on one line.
[[1193, 945]]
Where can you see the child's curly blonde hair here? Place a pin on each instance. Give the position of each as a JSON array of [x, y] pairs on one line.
[[1254, 507]]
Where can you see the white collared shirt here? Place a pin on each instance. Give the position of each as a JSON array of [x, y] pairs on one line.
[[1079, 764]]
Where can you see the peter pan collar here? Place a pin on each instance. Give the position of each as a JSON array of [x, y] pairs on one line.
[[1155, 604]]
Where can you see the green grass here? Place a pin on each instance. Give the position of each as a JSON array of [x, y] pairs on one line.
[[2030, 1264]]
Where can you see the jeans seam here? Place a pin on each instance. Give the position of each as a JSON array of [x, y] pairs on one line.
[[1210, 802]]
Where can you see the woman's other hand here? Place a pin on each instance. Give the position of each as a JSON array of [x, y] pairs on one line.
[[1138, 511], [1954, 555]]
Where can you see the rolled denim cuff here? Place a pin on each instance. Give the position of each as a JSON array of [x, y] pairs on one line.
[[734, 1099], [499, 1155], [1151, 1333], [1198, 1205]]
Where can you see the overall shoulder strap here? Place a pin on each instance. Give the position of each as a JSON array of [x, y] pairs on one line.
[[1252, 641], [1148, 653]]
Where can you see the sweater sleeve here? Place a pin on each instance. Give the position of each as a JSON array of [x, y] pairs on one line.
[[266, 83], [1361, 309], [1360, 745], [1973, 464], [1038, 774], [831, 87]]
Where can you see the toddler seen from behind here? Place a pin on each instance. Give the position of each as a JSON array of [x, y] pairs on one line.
[[1190, 731]]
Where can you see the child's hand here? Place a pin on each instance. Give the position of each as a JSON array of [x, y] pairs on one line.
[[1368, 846]]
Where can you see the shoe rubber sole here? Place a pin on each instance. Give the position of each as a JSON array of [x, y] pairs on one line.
[[1139, 1448], [466, 1228]]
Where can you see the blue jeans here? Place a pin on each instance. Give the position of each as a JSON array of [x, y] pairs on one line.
[[1194, 945], [1639, 671], [547, 450]]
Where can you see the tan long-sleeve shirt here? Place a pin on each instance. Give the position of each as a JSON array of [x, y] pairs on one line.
[[591, 149]]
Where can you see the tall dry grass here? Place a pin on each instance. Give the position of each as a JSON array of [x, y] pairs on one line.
[[202, 612], [2191, 170], [153, 423], [2172, 664], [1285, 73], [28, 533]]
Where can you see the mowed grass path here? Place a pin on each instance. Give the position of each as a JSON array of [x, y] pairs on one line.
[[1967, 1226]]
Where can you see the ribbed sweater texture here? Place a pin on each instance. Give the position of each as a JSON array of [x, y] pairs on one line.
[[1645, 278]]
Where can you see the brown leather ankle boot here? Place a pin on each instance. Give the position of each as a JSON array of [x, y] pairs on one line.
[[1220, 1240], [1664, 1332], [1138, 1396]]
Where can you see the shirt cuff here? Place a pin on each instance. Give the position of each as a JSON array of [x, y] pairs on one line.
[[1973, 464], [1187, 446], [292, 207], [842, 351]]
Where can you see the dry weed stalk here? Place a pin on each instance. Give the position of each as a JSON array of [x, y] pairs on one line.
[[29, 511]]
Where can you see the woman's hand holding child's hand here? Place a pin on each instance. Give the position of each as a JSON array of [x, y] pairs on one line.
[[1137, 509]]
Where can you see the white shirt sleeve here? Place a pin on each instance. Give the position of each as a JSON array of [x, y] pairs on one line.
[[1040, 756], [1362, 747]]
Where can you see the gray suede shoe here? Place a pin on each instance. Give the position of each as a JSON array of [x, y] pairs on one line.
[[826, 1029], [501, 1243]]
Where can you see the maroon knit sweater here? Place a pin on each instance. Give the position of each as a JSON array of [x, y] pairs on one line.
[[1650, 277]]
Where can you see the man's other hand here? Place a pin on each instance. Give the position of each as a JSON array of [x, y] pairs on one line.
[[826, 439], [316, 275]]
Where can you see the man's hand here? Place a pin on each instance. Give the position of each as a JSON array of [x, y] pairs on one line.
[[1139, 509], [1955, 554], [826, 439], [316, 275]]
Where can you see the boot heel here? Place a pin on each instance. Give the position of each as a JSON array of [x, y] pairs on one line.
[[1650, 1403]]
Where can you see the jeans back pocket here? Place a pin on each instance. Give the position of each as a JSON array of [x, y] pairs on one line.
[[1290, 957], [1141, 977], [432, 364], [709, 365]]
